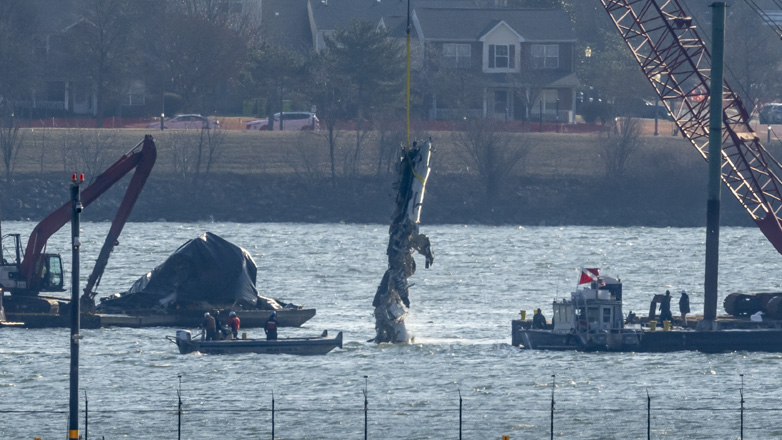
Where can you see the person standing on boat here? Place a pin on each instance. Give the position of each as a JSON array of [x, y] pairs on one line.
[[233, 322], [210, 329], [684, 307], [538, 320], [271, 327], [665, 307]]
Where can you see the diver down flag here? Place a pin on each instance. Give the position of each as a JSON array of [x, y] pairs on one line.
[[588, 275]]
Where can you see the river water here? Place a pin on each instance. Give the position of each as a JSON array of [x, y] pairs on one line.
[[461, 313]]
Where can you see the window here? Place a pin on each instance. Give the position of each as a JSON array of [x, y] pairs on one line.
[[457, 55], [135, 94], [607, 315], [502, 56], [545, 56]]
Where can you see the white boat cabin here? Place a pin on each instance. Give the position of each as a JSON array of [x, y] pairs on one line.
[[597, 308]]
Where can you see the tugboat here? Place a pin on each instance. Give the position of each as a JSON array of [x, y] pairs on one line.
[[590, 320]]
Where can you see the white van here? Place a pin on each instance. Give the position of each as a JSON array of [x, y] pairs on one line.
[[290, 121]]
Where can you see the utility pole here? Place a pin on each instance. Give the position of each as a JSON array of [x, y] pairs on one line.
[[715, 165], [73, 415]]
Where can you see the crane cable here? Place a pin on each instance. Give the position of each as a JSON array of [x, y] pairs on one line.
[[707, 39], [765, 16]]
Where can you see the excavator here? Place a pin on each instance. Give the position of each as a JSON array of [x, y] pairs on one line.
[[26, 276]]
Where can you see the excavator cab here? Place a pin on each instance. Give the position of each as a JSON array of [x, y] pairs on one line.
[[49, 273], [48, 270]]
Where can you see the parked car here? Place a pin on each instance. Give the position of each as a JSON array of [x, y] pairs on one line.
[[771, 113], [290, 121], [184, 122]]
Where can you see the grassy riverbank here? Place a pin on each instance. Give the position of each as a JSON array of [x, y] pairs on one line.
[[286, 176]]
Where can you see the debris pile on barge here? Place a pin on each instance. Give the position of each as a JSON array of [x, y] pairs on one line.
[[205, 273]]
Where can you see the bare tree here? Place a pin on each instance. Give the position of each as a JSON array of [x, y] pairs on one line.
[[493, 153], [370, 63], [194, 153], [102, 46], [86, 151], [10, 144], [619, 149], [18, 66]]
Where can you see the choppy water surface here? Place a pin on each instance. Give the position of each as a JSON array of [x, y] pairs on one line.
[[461, 313]]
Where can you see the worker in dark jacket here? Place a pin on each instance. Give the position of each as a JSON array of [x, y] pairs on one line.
[[233, 322], [271, 327], [665, 307], [684, 307], [538, 320], [210, 329]]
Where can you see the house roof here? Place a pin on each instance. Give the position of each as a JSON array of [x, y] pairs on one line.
[[285, 23], [334, 14], [470, 24]]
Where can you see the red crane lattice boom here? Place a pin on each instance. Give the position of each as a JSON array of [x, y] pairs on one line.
[[678, 65]]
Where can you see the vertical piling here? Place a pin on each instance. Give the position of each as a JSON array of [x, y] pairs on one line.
[[179, 409], [715, 165], [272, 414], [553, 385], [86, 417], [460, 414], [741, 391], [73, 417], [648, 415], [366, 406]]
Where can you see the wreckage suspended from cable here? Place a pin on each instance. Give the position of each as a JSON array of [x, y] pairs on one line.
[[392, 297]]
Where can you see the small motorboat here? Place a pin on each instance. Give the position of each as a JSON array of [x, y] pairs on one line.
[[303, 346]]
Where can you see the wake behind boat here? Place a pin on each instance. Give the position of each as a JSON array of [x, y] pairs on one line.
[[303, 346]]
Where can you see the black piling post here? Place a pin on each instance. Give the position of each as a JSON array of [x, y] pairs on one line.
[[741, 433], [86, 416], [179, 409], [553, 385], [272, 414], [648, 415], [540, 122], [460, 414], [366, 406], [73, 417]]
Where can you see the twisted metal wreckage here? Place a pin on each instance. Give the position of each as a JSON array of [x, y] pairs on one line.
[[392, 299]]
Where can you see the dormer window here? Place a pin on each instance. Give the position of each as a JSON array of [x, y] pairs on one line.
[[457, 55], [501, 56], [545, 56]]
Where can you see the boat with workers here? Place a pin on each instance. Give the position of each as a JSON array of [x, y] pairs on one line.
[[592, 320], [301, 346]]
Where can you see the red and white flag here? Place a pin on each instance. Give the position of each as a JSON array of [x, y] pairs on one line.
[[588, 275]]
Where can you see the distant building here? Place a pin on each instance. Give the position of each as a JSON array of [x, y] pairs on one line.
[[523, 59]]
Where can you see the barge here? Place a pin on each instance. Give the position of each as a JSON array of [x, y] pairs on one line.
[[291, 317], [592, 320]]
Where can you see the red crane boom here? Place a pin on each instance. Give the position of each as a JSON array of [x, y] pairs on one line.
[[678, 65], [142, 157]]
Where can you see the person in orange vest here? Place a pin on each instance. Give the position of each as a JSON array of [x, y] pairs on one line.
[[233, 322], [271, 327]]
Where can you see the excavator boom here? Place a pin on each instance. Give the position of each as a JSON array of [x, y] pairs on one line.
[[142, 157]]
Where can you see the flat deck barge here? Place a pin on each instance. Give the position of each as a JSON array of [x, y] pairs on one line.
[[253, 318]]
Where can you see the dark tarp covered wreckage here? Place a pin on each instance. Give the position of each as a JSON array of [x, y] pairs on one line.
[[206, 271]]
